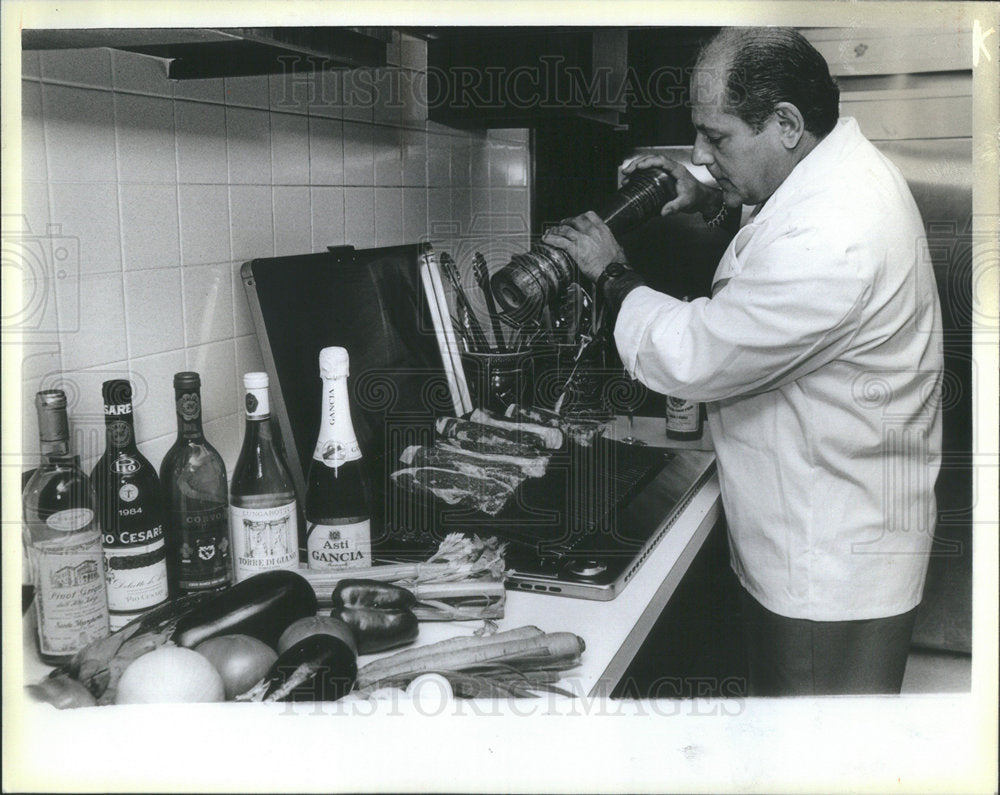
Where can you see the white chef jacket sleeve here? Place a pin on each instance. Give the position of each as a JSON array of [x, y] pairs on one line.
[[793, 305]]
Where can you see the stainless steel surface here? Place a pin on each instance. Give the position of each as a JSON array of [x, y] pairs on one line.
[[654, 509]]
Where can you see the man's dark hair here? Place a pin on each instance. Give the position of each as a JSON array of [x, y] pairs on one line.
[[765, 66]]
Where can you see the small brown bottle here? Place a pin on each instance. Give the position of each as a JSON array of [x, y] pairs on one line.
[[685, 418]]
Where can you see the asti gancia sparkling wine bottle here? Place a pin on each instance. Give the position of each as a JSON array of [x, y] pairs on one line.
[[196, 499], [337, 510], [62, 541], [263, 511], [130, 512]]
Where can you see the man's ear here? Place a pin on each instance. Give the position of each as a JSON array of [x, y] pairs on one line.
[[791, 125]]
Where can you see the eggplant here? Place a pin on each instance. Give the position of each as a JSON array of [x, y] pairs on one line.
[[317, 668], [378, 630], [372, 593], [262, 606]]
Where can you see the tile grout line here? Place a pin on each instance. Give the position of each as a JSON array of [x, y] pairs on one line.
[[121, 228], [180, 227], [49, 211]]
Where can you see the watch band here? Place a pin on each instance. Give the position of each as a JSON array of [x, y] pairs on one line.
[[613, 285], [613, 270]]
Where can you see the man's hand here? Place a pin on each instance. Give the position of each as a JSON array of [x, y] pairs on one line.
[[692, 195], [588, 241]]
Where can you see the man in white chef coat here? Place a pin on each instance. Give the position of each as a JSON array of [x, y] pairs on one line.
[[818, 355]]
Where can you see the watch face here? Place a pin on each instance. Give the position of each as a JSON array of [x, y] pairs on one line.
[[615, 269]]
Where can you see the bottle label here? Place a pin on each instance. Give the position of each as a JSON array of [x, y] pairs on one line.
[[189, 406], [70, 520], [136, 574], [119, 433], [264, 539], [70, 600], [337, 443], [339, 545], [334, 453], [125, 465], [203, 548], [682, 415], [257, 404]]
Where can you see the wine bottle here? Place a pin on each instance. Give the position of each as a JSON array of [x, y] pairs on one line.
[[130, 512], [338, 526], [62, 541], [685, 418], [263, 512], [193, 477]]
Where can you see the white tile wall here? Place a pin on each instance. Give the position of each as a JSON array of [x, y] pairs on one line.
[[158, 191]]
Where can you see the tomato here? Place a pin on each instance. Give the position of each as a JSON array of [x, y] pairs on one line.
[[241, 660], [170, 674], [316, 625]]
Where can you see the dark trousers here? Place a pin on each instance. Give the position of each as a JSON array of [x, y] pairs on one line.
[[798, 657]]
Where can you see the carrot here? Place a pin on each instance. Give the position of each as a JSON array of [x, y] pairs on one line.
[[452, 645], [542, 648]]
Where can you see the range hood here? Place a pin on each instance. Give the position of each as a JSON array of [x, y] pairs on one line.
[[194, 53]]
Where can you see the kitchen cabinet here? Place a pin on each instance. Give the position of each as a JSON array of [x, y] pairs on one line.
[[523, 77], [198, 53]]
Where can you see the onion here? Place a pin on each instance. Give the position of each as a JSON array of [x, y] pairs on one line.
[[241, 660], [428, 687], [170, 674], [62, 693], [316, 625]]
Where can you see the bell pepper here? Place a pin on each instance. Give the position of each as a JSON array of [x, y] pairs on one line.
[[378, 613]]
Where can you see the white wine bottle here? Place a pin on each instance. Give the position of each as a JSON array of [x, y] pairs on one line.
[[263, 513], [338, 523], [62, 540]]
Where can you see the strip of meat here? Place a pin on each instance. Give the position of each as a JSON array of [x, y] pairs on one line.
[[533, 466], [483, 438], [446, 458], [454, 487], [537, 415], [550, 438], [580, 429]]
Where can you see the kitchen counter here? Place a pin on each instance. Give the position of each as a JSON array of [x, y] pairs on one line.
[[614, 630]]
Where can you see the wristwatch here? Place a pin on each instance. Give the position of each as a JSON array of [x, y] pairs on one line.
[[612, 271]]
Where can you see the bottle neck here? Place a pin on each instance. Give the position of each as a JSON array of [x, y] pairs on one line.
[[257, 402], [258, 413], [336, 443], [53, 433], [54, 450], [188, 404], [258, 428], [119, 428]]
